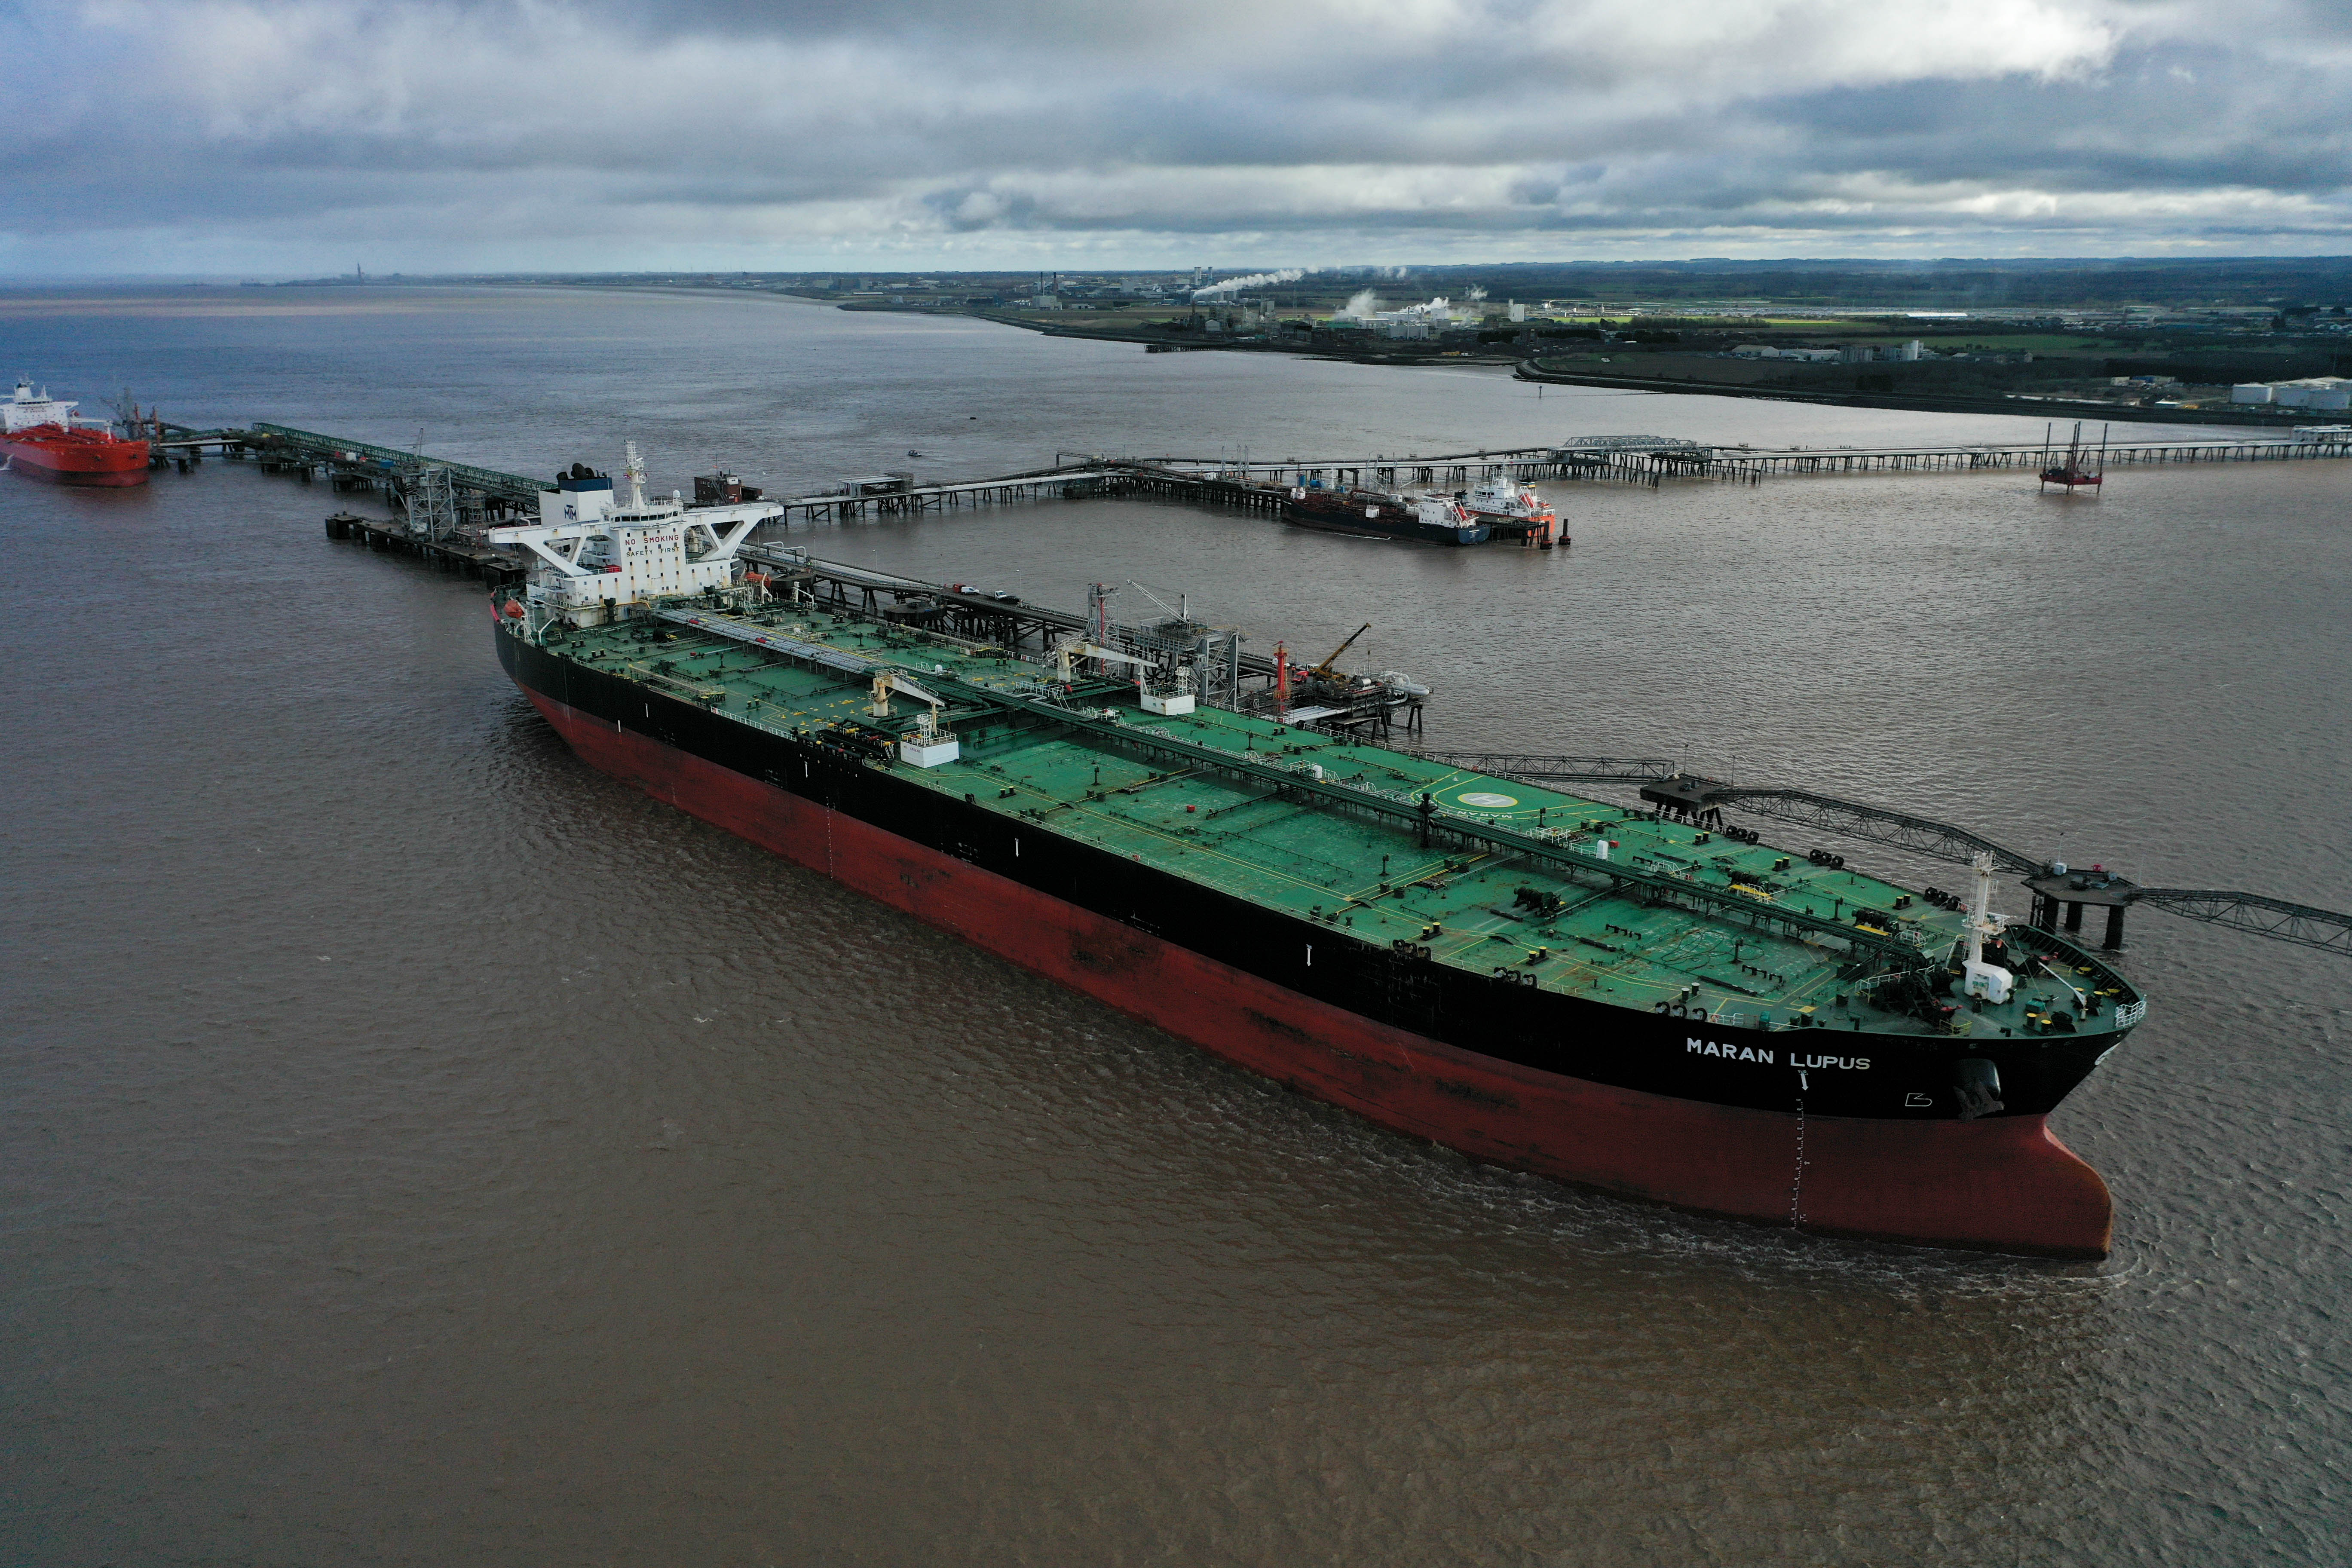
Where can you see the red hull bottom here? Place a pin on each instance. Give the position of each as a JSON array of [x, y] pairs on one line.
[[111, 476], [2004, 1185]]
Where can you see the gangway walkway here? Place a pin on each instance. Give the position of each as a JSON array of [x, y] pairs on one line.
[[2053, 885]]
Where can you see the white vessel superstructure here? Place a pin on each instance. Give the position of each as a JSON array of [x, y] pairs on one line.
[[28, 410], [1506, 506], [596, 553]]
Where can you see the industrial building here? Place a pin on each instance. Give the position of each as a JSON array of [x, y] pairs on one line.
[[2308, 392]]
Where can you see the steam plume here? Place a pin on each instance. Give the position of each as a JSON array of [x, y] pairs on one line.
[[1254, 280]]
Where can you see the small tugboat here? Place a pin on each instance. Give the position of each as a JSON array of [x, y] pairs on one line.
[[1377, 514], [2080, 469], [43, 440], [1512, 510]]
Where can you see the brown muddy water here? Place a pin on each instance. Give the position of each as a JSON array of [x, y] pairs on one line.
[[424, 1149]]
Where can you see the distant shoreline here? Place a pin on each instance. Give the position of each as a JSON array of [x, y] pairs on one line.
[[1926, 403], [1528, 369]]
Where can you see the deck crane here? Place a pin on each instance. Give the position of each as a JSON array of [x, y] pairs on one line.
[[930, 744], [1167, 702], [886, 681]]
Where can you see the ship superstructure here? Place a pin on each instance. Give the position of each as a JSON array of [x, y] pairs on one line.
[[597, 551], [1602, 996], [30, 410], [1512, 510]]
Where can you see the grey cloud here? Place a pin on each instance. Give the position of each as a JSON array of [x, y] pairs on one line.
[[812, 129]]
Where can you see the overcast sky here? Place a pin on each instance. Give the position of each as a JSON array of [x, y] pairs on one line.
[[276, 137]]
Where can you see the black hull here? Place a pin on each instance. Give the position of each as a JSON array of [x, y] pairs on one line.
[[1334, 517]]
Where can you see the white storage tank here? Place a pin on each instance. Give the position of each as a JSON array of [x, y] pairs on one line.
[[2250, 392], [2314, 392]]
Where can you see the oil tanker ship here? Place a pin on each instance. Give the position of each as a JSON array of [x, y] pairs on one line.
[[1607, 997], [43, 438], [1377, 514]]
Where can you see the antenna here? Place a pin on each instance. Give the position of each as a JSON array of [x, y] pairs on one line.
[[635, 470], [1979, 978]]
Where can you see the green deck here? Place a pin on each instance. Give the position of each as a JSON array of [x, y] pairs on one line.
[[1258, 840]]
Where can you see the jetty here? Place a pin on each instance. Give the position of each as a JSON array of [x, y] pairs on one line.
[[470, 497], [446, 509], [1651, 459], [457, 552]]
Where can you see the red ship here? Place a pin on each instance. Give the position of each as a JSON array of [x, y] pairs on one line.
[[44, 440]]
